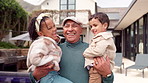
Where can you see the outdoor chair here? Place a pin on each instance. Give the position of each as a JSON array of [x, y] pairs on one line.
[[141, 63], [118, 61]]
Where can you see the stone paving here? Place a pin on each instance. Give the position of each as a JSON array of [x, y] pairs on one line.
[[133, 75]]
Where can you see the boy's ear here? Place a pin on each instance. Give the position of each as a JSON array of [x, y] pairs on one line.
[[105, 25]]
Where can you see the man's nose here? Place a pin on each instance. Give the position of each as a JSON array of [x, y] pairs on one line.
[[70, 27]]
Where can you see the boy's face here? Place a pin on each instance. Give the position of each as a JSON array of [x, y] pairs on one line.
[[97, 26]]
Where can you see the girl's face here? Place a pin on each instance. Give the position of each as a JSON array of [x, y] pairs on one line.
[[48, 29], [97, 26]]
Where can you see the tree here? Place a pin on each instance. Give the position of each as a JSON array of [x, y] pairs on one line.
[[12, 17]]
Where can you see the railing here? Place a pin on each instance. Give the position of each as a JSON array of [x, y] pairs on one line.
[[58, 16]]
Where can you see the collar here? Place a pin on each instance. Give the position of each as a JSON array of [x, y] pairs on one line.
[[48, 39], [105, 35], [73, 44]]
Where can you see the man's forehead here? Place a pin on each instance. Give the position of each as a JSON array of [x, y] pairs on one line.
[[71, 22]]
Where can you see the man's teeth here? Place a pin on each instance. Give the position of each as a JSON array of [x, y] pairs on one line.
[[70, 34]]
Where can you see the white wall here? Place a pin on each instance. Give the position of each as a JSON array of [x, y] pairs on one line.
[[85, 5], [80, 5], [52, 5]]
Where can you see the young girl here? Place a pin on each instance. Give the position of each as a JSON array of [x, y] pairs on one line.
[[102, 45], [44, 49]]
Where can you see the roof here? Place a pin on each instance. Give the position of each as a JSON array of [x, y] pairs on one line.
[[136, 10]]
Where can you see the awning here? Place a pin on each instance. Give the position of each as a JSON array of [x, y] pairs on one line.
[[35, 2], [25, 37], [136, 10]]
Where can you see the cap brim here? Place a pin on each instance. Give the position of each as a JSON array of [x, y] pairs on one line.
[[72, 19]]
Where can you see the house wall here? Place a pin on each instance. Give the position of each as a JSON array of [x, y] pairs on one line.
[[51, 5], [85, 5], [87, 35], [80, 5]]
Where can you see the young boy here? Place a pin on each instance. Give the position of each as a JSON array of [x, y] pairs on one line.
[[102, 45]]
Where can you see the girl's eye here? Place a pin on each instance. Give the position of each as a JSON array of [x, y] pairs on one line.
[[49, 28]]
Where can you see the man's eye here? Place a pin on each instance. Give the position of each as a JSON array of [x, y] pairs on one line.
[[66, 25]]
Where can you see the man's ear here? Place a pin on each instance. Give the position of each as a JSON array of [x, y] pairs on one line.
[[81, 30]]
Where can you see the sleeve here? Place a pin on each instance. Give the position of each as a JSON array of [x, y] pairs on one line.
[[32, 79], [98, 50], [37, 52]]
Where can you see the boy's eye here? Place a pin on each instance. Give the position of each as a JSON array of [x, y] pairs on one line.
[[49, 28], [94, 25]]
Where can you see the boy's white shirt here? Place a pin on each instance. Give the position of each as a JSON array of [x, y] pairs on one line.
[[102, 45], [38, 48]]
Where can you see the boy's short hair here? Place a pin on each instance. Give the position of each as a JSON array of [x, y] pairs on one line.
[[102, 17]]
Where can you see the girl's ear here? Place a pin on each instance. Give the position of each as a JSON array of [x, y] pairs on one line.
[[40, 33]]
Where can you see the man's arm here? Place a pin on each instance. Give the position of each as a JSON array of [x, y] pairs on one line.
[[40, 72], [102, 66]]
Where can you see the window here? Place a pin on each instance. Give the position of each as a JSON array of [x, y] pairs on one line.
[[67, 5]]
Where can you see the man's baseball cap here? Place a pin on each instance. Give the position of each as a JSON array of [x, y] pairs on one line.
[[76, 20]]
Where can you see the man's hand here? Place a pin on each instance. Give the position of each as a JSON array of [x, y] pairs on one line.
[[102, 66], [42, 71]]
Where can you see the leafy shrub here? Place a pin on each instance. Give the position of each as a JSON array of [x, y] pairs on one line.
[[4, 45]]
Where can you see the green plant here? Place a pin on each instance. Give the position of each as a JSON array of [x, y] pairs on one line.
[[12, 17], [5, 45]]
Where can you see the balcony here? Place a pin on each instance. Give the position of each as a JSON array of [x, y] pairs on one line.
[[58, 16]]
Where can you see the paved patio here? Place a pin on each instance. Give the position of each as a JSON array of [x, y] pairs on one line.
[[133, 75]]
